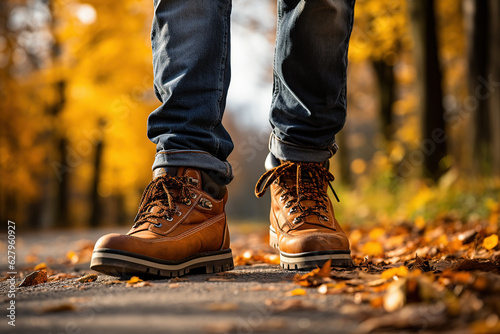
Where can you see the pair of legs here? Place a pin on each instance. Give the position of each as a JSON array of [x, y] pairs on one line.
[[181, 222], [191, 58]]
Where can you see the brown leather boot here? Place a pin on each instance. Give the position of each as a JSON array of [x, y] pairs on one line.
[[181, 227], [303, 225]]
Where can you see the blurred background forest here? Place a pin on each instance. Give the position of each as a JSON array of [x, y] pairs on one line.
[[422, 137]]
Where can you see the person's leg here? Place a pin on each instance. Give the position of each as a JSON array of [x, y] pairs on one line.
[[190, 42], [308, 109], [309, 98], [181, 224]]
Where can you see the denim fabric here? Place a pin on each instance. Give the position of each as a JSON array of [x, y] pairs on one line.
[[190, 42]]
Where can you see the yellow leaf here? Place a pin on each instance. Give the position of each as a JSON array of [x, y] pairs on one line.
[[134, 279], [40, 266], [402, 271], [73, 257], [297, 292], [420, 222], [442, 240], [490, 242], [389, 273], [373, 248], [376, 233]]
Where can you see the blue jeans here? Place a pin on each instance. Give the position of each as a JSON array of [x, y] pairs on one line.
[[191, 62]]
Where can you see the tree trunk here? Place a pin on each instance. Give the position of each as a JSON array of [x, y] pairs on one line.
[[478, 55], [433, 143], [387, 93], [95, 216], [494, 84]]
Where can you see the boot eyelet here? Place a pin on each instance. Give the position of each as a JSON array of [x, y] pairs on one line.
[[288, 204], [169, 219], [205, 203], [158, 225], [283, 197], [193, 195], [188, 202], [178, 213], [325, 218], [297, 220]]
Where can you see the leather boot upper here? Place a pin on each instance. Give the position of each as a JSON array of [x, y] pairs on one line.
[[177, 218], [301, 212]]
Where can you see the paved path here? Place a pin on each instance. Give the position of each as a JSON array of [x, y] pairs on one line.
[[249, 299]]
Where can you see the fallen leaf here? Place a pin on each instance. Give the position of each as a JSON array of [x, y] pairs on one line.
[[376, 233], [40, 266], [289, 305], [61, 276], [316, 276], [58, 308], [476, 264], [490, 242], [373, 248], [133, 280], [222, 307], [72, 257], [332, 288], [87, 278], [36, 277], [401, 271], [179, 279], [139, 284], [296, 292], [395, 296], [420, 222]]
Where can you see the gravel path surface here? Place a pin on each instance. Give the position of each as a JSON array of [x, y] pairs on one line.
[[249, 299]]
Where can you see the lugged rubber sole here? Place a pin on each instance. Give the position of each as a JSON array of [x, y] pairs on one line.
[[310, 260], [123, 264]]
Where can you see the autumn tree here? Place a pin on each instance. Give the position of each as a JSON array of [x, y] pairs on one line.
[[433, 128]]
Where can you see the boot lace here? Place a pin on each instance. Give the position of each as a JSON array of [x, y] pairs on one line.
[[308, 186], [159, 193]]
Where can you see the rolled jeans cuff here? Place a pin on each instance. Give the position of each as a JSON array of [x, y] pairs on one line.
[[290, 152], [195, 159]]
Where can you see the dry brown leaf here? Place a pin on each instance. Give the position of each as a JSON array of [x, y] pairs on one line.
[[332, 288], [179, 279], [61, 276], [222, 307], [87, 278], [476, 264], [296, 292], [36, 277], [58, 308], [289, 305], [316, 276], [139, 284]]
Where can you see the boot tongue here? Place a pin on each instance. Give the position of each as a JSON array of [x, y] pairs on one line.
[[172, 171]]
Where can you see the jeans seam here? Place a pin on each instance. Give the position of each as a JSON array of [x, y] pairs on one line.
[[222, 74]]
